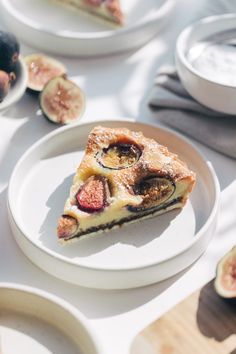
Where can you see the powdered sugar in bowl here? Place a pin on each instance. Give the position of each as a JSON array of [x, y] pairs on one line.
[[206, 62]]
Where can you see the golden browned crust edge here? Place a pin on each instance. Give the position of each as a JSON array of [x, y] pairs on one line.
[[155, 158]]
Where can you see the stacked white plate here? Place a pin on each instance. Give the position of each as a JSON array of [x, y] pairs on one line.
[[135, 255], [50, 27], [33, 321]]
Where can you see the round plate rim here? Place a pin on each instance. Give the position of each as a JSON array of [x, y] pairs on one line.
[[70, 309], [59, 257], [161, 12]]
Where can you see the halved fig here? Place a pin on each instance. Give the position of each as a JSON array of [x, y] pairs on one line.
[[41, 69], [62, 101], [67, 226], [225, 282], [93, 195], [154, 191], [119, 156]]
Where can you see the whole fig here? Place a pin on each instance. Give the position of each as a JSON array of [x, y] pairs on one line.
[[9, 51]]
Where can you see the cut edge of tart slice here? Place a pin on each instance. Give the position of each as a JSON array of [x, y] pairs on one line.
[[107, 10], [123, 177]]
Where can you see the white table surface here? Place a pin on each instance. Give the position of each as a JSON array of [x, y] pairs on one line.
[[116, 86]]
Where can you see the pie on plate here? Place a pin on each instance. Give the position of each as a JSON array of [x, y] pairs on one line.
[[123, 177], [109, 10]]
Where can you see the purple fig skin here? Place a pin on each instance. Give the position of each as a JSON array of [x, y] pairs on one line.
[[9, 51], [5, 83]]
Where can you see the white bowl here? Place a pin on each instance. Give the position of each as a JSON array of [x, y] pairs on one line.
[[18, 88], [52, 28], [215, 95], [34, 321], [132, 256]]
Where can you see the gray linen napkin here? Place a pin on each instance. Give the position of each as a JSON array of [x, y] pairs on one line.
[[176, 108]]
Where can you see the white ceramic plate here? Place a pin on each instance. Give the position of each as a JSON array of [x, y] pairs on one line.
[[18, 88], [132, 256], [33, 321], [47, 26]]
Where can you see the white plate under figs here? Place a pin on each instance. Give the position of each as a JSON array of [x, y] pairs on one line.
[[47, 26], [33, 321], [135, 255]]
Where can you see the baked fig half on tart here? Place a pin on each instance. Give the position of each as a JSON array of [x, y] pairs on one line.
[[123, 177]]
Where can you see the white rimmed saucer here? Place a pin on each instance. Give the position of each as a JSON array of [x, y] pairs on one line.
[[135, 255], [50, 27], [18, 88], [34, 321]]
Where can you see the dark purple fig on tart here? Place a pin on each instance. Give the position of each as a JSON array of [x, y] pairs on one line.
[[119, 156], [154, 190], [62, 101], [93, 196], [225, 282], [67, 227], [41, 69]]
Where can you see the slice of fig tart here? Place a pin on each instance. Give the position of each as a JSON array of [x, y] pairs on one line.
[[123, 177]]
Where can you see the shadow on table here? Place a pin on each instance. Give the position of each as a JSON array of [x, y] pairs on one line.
[[34, 127], [216, 317]]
